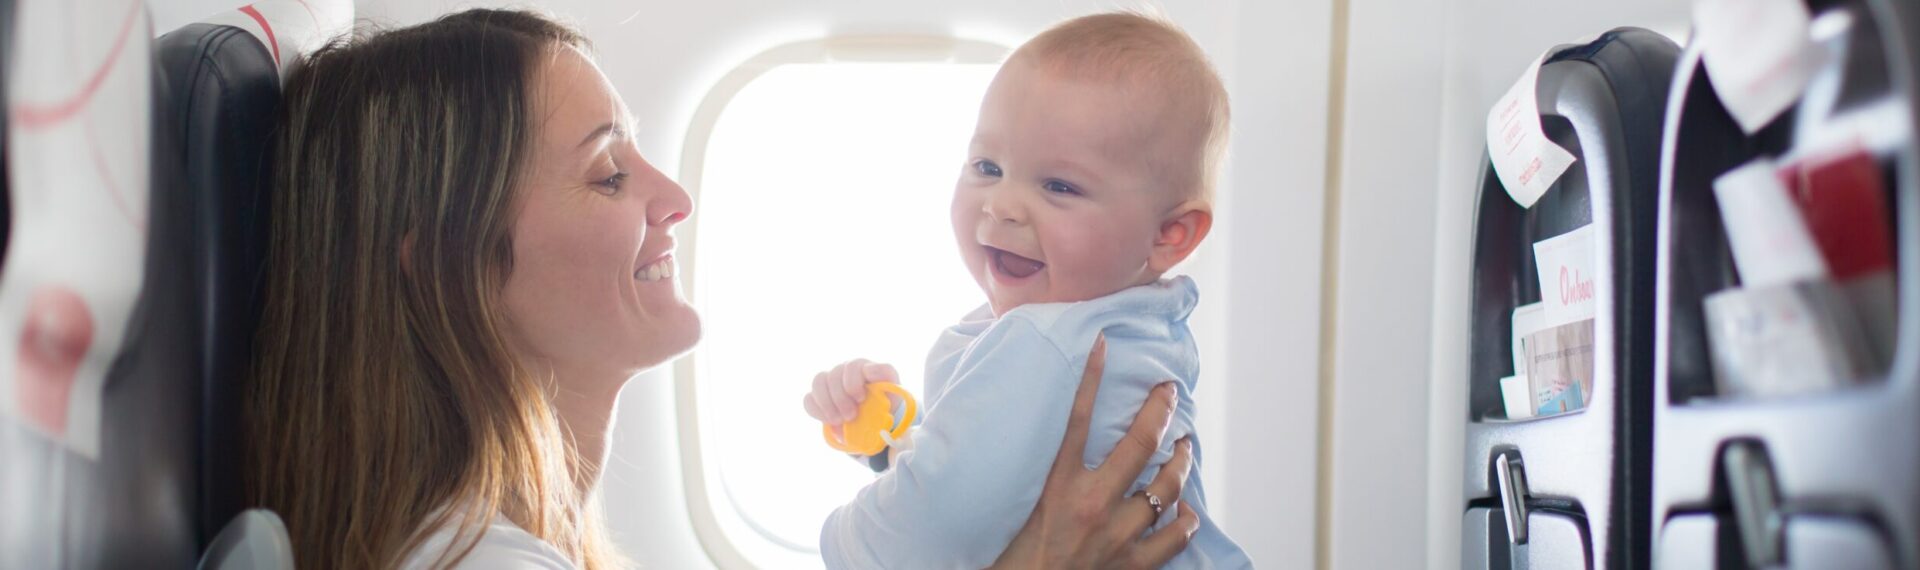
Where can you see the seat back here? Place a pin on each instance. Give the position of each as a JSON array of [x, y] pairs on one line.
[[129, 291], [97, 412], [223, 94], [224, 77], [1569, 505]]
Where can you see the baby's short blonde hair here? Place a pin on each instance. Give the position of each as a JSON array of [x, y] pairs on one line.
[[1152, 53]]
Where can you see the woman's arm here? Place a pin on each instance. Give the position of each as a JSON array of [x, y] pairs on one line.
[[1083, 519]]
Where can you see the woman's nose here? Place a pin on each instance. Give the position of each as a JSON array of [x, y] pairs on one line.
[[672, 207]]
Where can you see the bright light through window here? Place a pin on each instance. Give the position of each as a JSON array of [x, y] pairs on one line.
[[823, 236]]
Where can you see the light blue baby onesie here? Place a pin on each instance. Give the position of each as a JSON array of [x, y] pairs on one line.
[[998, 392]]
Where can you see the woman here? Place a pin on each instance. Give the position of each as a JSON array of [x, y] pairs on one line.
[[469, 258]]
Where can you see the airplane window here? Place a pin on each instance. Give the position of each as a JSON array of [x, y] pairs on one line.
[[822, 236]]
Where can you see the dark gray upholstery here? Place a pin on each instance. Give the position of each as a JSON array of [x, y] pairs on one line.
[[225, 93]]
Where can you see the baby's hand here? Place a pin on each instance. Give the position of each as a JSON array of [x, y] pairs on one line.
[[837, 393]]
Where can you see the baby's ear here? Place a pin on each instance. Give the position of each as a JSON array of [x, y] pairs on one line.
[[1180, 232]]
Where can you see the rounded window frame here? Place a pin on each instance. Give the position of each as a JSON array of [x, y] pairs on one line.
[[729, 538]]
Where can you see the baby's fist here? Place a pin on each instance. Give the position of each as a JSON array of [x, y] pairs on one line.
[[837, 393]]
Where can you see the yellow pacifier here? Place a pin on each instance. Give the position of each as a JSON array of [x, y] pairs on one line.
[[862, 435]]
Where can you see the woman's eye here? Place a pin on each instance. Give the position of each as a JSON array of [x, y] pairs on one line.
[[1058, 187], [987, 168], [612, 184]]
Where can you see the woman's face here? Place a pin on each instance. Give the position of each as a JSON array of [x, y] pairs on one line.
[[593, 291]]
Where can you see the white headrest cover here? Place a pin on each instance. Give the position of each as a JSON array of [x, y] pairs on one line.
[[79, 128], [291, 29]]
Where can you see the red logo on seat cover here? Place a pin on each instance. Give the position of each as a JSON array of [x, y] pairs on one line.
[[58, 332]]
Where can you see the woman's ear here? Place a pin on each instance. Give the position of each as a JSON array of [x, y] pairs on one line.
[[1180, 233], [406, 253]]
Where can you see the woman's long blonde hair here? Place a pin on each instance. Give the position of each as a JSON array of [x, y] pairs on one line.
[[385, 403]]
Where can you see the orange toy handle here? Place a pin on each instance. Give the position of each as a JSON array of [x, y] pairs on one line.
[[913, 408], [861, 435]]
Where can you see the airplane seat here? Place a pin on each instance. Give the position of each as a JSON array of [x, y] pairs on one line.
[[1564, 485], [255, 540], [1819, 465], [127, 290], [225, 76], [96, 410], [223, 100]]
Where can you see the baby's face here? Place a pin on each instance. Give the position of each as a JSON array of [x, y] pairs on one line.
[[1058, 200]]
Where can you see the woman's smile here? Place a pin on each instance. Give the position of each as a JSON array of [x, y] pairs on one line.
[[661, 268]]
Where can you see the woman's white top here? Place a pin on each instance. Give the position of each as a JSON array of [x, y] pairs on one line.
[[504, 546]]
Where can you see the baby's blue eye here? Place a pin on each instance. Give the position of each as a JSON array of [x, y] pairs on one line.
[[987, 168], [1058, 187]]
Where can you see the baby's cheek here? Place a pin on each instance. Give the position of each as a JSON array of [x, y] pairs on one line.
[[1100, 259]]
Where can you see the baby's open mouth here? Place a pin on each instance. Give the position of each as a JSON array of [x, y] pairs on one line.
[[1013, 264]]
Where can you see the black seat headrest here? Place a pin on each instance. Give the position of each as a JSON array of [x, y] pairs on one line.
[[224, 95]]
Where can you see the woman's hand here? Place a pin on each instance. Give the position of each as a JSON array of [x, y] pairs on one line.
[[1083, 519]]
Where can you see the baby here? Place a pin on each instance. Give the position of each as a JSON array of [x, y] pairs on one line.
[[1090, 176]]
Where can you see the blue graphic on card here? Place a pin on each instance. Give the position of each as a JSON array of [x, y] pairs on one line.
[[1562, 402]]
